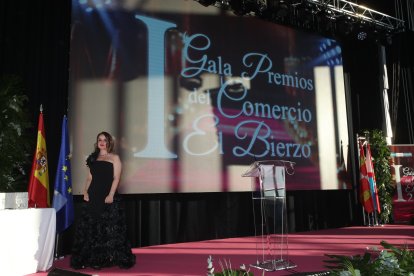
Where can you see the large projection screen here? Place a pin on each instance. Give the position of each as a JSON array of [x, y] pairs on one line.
[[194, 95]]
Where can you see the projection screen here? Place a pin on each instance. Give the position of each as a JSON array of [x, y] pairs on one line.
[[194, 95]]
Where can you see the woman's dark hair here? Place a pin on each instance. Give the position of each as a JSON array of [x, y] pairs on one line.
[[109, 147]]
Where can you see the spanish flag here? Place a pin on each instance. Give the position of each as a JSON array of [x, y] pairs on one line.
[[364, 188], [39, 178], [372, 181]]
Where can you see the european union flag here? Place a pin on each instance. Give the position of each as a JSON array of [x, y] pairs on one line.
[[62, 196]]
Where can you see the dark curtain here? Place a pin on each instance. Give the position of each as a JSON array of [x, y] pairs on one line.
[[171, 218], [401, 74], [363, 77], [362, 64], [34, 44]]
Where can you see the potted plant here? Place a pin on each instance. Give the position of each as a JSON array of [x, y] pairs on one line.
[[226, 269], [389, 261], [381, 155]]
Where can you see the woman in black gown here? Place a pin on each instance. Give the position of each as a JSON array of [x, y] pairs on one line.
[[100, 237]]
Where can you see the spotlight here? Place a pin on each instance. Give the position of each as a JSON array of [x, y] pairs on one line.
[[362, 35], [363, 31]]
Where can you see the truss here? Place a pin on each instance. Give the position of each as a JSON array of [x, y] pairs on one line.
[[360, 13], [335, 8]]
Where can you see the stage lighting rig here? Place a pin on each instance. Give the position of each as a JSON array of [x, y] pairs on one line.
[[360, 13], [313, 14]]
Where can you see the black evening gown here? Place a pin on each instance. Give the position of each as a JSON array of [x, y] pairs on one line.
[[100, 238]]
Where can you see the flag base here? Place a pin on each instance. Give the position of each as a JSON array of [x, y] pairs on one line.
[[274, 265], [63, 272]]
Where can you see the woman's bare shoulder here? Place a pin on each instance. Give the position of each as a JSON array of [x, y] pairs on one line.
[[114, 157]]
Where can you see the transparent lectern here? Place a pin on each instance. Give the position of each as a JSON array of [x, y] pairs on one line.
[[270, 225]]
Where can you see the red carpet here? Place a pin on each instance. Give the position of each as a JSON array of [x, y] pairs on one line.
[[307, 250]]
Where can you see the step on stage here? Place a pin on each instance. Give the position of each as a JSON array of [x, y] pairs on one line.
[[307, 250]]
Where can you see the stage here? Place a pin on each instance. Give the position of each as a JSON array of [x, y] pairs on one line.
[[307, 250]]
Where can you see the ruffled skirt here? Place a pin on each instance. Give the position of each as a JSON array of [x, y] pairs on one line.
[[101, 239]]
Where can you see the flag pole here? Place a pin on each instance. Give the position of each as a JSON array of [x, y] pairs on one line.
[[41, 111], [56, 254]]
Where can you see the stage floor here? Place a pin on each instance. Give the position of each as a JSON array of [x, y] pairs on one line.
[[307, 250]]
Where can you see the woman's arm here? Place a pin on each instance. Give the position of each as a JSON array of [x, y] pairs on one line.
[[87, 183], [115, 182]]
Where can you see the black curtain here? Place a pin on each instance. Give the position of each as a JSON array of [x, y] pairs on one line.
[[401, 73], [362, 65], [34, 44]]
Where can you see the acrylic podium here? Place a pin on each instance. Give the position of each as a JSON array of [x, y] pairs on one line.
[[269, 213]]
